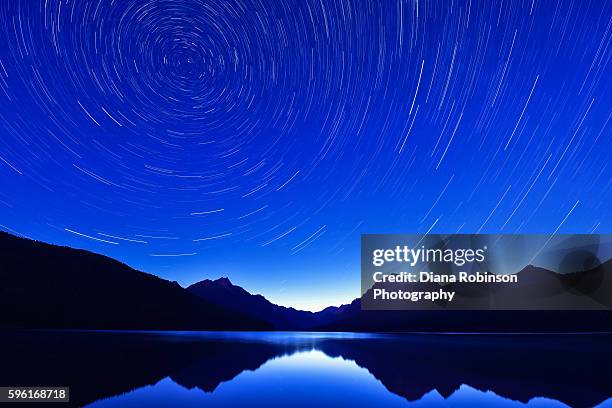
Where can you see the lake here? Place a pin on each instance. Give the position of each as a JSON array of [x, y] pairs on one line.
[[223, 369]]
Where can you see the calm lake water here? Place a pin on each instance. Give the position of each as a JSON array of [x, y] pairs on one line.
[[195, 369]]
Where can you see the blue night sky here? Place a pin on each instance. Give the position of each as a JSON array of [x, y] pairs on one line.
[[257, 139]]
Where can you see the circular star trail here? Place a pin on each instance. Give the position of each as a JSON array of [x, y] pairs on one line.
[[152, 130]]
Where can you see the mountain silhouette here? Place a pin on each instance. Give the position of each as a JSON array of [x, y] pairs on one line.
[[537, 288], [534, 284], [223, 293], [48, 286]]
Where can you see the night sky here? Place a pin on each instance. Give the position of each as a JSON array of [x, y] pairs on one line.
[[257, 139]]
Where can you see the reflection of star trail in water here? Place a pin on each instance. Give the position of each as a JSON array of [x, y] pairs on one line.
[[286, 128]]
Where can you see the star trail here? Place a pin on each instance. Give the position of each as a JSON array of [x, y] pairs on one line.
[[257, 139]]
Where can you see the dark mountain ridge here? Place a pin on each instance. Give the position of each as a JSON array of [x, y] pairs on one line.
[[534, 282], [351, 317], [48, 286], [224, 293]]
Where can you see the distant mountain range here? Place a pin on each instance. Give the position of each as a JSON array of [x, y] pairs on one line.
[[223, 293], [536, 289], [538, 282], [48, 286]]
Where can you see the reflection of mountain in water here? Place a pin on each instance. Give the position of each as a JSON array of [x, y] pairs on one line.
[[571, 369], [172, 392]]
